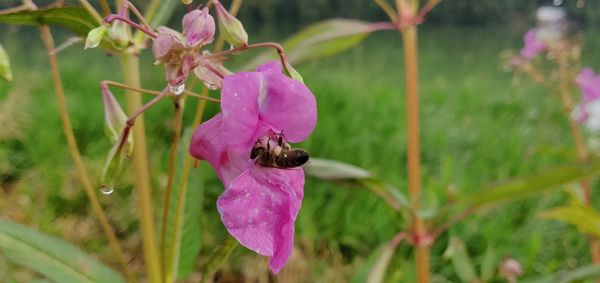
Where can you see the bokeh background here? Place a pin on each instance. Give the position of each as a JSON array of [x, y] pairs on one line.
[[480, 125]]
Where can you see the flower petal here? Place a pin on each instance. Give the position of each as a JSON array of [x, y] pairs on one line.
[[533, 46], [209, 144], [287, 105], [259, 209], [238, 103], [589, 83]]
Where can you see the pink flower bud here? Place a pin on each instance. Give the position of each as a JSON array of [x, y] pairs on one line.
[[198, 27], [510, 269], [231, 28], [114, 117]]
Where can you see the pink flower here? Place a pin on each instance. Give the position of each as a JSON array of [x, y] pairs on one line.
[[259, 205], [588, 111], [589, 83], [533, 45], [180, 53], [198, 27]]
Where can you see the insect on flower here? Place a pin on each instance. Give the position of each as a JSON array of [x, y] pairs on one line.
[[276, 152]]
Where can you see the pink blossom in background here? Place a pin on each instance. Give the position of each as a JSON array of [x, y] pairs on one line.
[[259, 205], [533, 45]]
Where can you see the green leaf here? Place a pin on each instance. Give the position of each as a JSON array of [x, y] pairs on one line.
[[520, 188], [566, 276], [334, 170], [76, 19], [488, 264], [585, 218], [461, 261], [331, 170], [52, 257], [188, 243], [374, 268], [320, 40]]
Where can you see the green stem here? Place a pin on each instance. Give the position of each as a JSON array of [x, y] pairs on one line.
[[76, 155], [131, 76], [409, 36], [168, 266], [218, 257]]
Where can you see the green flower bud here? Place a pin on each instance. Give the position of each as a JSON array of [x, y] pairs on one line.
[[120, 34], [5, 72], [114, 165], [231, 28], [114, 118], [95, 36]]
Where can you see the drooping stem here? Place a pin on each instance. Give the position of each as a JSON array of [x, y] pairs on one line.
[[273, 45], [154, 92], [76, 155], [409, 36], [139, 15], [131, 76], [111, 18], [582, 153]]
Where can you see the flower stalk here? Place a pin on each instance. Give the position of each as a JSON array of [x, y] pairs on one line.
[[46, 36], [582, 153], [131, 76], [409, 36], [188, 161]]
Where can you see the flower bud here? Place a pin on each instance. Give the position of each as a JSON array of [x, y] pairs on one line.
[[95, 36], [5, 72], [119, 33], [114, 118], [232, 29], [198, 27], [510, 269], [187, 2], [114, 164]]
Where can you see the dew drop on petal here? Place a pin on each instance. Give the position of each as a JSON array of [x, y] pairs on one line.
[[211, 86], [107, 190], [178, 89]]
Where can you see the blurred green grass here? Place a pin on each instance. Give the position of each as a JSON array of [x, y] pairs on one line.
[[479, 125]]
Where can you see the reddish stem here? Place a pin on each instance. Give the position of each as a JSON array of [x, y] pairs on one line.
[[111, 18]]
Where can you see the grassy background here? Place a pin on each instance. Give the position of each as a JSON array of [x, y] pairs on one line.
[[479, 126]]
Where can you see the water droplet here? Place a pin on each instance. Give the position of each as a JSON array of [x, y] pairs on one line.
[[557, 2], [107, 190], [210, 86], [235, 94], [177, 90]]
